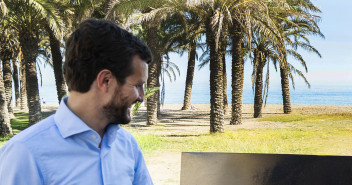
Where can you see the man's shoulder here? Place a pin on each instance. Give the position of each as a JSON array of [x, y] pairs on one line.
[[35, 131]]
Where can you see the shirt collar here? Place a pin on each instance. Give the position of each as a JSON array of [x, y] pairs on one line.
[[67, 122], [111, 133]]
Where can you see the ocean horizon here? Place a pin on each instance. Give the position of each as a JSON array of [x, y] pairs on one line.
[[339, 95]]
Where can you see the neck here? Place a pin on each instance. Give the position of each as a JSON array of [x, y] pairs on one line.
[[87, 108]]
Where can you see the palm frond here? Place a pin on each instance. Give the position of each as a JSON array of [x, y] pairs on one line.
[[293, 69], [3, 8], [147, 93]]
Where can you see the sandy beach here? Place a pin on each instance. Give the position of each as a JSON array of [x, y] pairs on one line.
[[165, 166], [177, 121]]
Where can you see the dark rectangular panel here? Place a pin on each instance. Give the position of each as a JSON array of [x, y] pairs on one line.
[[264, 169]]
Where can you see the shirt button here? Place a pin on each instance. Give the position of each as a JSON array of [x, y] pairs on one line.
[[94, 136]]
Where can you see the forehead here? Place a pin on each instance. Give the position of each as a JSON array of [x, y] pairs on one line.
[[140, 68]]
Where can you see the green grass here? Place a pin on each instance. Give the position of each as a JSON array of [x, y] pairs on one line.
[[322, 134], [293, 141], [17, 124], [309, 118]]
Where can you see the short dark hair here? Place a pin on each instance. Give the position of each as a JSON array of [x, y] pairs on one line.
[[97, 45]]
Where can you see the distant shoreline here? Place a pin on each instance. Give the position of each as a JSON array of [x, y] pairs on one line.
[[248, 108]]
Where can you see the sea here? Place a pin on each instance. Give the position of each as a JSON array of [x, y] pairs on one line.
[[318, 95]]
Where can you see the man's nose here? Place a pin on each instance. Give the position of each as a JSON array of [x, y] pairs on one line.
[[141, 94]]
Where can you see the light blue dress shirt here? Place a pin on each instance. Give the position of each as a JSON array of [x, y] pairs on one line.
[[63, 150]]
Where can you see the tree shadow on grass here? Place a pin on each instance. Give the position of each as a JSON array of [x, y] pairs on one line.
[[181, 135]]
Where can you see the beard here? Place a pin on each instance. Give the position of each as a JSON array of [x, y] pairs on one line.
[[117, 114]]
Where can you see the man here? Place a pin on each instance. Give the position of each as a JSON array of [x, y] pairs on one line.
[[82, 143]]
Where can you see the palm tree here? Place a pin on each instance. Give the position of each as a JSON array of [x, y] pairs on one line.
[[6, 63], [302, 22], [154, 69], [224, 45], [263, 52], [23, 90], [5, 127], [237, 73], [16, 82], [214, 25], [190, 74], [248, 16], [286, 69], [8, 47], [57, 63], [193, 31], [28, 18]]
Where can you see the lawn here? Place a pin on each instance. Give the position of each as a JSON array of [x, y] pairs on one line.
[[17, 124], [322, 134]]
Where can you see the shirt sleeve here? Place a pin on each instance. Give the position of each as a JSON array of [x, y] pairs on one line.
[[18, 166], [141, 175]]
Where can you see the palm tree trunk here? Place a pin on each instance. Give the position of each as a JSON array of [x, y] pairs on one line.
[[237, 76], [216, 83], [29, 45], [223, 55], [57, 62], [5, 127], [153, 76], [258, 95], [285, 90], [190, 75], [158, 94], [15, 81], [6, 67], [23, 83]]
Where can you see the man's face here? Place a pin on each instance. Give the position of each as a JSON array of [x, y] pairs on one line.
[[119, 108]]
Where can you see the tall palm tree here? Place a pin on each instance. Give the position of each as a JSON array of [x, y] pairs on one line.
[[8, 47], [258, 65], [263, 52], [193, 31], [224, 45], [5, 127], [249, 17], [214, 25], [7, 77], [237, 72], [57, 63], [28, 18], [16, 82], [190, 74], [303, 21], [23, 90]]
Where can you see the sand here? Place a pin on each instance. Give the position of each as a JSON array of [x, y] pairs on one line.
[[165, 166]]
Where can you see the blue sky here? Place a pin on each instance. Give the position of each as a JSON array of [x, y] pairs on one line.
[[333, 70]]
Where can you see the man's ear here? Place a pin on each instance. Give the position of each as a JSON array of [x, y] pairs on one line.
[[104, 80]]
